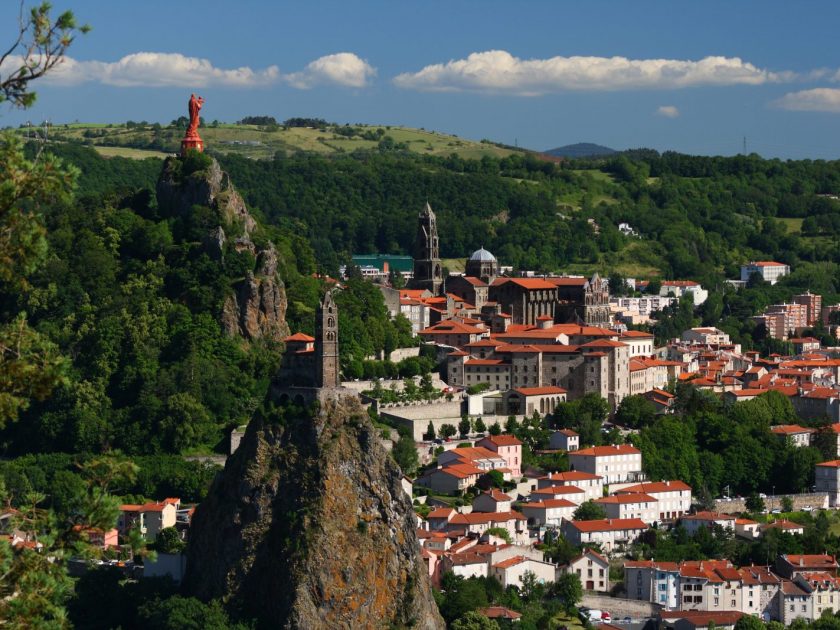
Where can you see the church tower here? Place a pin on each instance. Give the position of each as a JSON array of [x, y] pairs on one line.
[[428, 273], [326, 343]]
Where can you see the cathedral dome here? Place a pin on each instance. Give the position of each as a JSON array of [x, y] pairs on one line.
[[482, 255]]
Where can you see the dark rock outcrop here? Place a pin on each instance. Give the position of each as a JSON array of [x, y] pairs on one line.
[[256, 306], [308, 527]]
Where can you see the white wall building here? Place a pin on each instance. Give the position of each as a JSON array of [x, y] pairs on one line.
[[768, 270], [616, 464]]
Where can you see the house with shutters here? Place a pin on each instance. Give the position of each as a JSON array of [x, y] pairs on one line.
[[611, 534], [592, 568], [617, 463], [673, 497], [592, 485]]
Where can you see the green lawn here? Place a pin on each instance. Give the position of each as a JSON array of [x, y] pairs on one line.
[[794, 226], [256, 142], [127, 152]]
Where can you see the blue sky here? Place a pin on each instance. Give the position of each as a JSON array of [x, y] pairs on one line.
[[695, 77]]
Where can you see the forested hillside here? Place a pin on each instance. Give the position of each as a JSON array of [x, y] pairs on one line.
[[132, 300]]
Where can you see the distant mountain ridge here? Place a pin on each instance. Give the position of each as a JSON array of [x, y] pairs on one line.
[[581, 150]]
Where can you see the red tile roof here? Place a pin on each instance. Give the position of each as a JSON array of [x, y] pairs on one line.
[[658, 486], [502, 440], [608, 524], [606, 451], [539, 391], [299, 336]]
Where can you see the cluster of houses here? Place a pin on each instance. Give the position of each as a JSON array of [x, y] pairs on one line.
[[796, 587], [494, 535]]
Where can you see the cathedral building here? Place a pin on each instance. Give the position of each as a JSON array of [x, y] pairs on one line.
[[582, 301]]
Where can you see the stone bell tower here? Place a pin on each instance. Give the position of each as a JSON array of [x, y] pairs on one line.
[[326, 343], [428, 273]]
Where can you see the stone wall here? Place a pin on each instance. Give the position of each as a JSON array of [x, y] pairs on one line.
[[800, 501], [620, 608]]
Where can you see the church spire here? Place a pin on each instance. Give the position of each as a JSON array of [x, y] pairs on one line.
[[326, 343], [428, 273]]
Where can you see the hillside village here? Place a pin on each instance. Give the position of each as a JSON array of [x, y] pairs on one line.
[[517, 347], [513, 350]]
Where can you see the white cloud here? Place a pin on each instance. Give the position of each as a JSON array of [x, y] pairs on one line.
[[155, 69], [669, 111], [815, 100], [499, 71], [345, 69]]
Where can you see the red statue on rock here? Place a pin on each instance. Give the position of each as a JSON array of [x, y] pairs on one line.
[[191, 139]]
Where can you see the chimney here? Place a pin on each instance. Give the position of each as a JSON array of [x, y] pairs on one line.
[[801, 561]]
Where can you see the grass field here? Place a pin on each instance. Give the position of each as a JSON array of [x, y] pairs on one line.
[[127, 152], [262, 143], [794, 226], [456, 265]]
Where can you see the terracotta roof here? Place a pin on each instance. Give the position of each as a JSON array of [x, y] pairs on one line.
[[559, 490], [565, 281], [510, 562], [783, 525], [299, 336], [496, 495], [548, 504], [499, 612], [571, 475], [708, 516], [638, 334], [526, 283], [451, 327], [475, 518], [604, 343], [539, 391], [502, 440], [570, 433], [460, 471], [606, 451], [440, 512], [630, 497], [791, 429], [811, 560], [608, 524], [658, 486], [485, 362]]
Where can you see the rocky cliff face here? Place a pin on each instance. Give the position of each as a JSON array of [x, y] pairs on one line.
[[256, 306], [308, 527]]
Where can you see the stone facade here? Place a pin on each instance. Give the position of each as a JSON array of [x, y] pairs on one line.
[[583, 301], [326, 343], [428, 272]]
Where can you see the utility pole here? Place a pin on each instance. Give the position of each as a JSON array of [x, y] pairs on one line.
[[745, 145]]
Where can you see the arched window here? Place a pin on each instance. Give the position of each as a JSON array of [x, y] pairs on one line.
[[331, 336], [330, 322]]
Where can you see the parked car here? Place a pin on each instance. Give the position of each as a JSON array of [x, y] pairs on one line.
[[775, 511], [590, 615], [605, 616]]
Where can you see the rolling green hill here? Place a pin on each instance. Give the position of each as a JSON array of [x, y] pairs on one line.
[[263, 142]]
